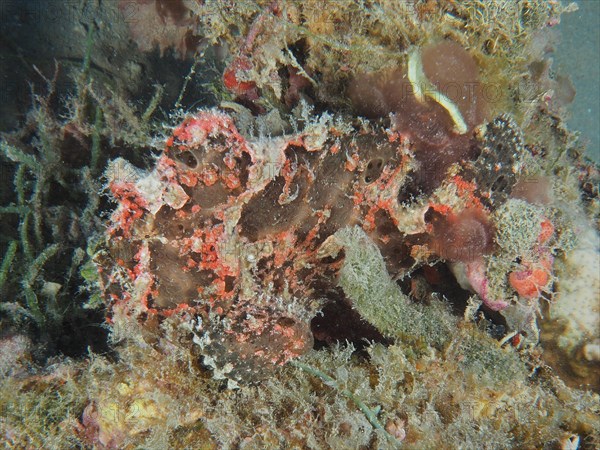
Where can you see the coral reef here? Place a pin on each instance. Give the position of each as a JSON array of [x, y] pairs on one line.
[[375, 232]]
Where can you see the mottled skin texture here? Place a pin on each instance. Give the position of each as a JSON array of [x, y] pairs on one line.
[[237, 236], [227, 231]]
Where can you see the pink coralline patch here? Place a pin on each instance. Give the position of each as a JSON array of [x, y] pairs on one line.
[[529, 283], [476, 274], [473, 276], [132, 205], [233, 76], [532, 281], [547, 231]]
